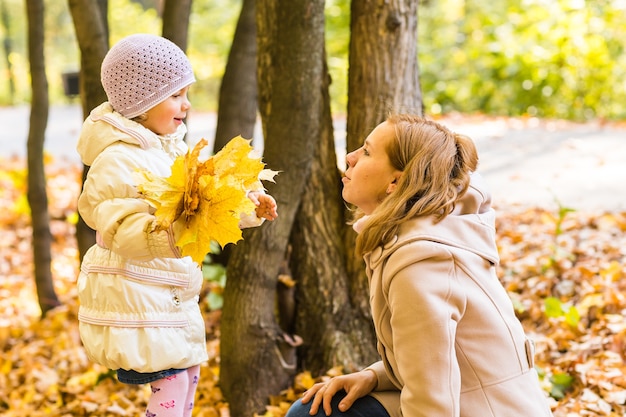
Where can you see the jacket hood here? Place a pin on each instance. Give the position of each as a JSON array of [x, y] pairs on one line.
[[104, 127], [471, 227]]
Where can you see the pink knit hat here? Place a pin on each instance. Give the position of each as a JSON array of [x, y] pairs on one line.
[[142, 70]]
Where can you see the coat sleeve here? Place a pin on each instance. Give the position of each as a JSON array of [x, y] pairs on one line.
[[424, 312], [384, 383], [110, 204]]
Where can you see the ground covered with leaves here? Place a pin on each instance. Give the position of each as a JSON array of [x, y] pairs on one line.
[[565, 272]]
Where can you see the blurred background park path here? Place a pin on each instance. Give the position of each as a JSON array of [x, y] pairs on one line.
[[527, 162]]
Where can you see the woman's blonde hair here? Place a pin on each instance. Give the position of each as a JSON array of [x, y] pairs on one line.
[[436, 165]]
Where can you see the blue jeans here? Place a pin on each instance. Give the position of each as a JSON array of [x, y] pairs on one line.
[[363, 407], [134, 377]]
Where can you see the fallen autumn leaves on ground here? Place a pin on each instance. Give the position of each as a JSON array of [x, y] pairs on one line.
[[564, 271]]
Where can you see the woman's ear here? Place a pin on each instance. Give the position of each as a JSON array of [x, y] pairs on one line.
[[392, 186]]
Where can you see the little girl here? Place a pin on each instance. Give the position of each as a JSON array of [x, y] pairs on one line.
[[139, 310]]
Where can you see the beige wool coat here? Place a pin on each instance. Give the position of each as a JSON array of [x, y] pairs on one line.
[[450, 343]]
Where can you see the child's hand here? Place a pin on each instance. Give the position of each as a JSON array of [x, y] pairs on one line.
[[265, 205]]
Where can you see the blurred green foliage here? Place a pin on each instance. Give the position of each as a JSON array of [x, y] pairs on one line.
[[556, 58], [211, 29], [337, 45]]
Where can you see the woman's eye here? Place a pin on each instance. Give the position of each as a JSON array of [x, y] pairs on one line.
[[366, 152]]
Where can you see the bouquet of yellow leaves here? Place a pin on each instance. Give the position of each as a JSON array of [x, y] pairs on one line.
[[209, 196]]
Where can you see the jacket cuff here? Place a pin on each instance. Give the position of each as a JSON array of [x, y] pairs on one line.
[[250, 220], [384, 383], [162, 244]]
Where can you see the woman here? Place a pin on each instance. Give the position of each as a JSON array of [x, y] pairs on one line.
[[449, 341]]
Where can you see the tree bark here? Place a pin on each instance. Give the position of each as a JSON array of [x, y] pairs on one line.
[[237, 109], [325, 292], [255, 362], [37, 196], [383, 71], [383, 77], [331, 301], [176, 21], [90, 23], [333, 288], [7, 49]]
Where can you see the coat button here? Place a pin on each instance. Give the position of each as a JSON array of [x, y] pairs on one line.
[[175, 296]]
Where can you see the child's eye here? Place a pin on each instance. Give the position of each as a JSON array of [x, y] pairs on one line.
[[179, 93], [366, 152]]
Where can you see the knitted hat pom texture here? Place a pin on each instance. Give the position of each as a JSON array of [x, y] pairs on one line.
[[142, 70]]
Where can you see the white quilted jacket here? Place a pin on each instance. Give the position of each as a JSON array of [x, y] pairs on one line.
[[138, 297]]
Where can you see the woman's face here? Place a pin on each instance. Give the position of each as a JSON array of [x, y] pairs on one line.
[[370, 175], [165, 117]]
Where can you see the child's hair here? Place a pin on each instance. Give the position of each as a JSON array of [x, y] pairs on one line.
[[142, 70], [436, 165]]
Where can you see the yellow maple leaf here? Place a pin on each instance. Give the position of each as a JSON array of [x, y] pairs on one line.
[[194, 170], [219, 210], [209, 197], [237, 160], [165, 194]]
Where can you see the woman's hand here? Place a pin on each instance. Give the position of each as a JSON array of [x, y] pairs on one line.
[[265, 205], [356, 385]]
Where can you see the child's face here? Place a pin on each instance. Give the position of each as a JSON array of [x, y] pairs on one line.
[[165, 117]]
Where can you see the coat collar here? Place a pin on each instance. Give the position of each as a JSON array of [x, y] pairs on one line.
[[471, 227], [104, 126]]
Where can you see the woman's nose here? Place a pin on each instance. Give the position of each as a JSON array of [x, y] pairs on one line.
[[350, 159]]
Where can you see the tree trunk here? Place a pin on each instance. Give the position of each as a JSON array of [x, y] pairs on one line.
[[333, 288], [325, 291], [37, 196], [383, 73], [383, 77], [176, 21], [331, 306], [238, 93], [255, 360], [7, 44], [90, 23]]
